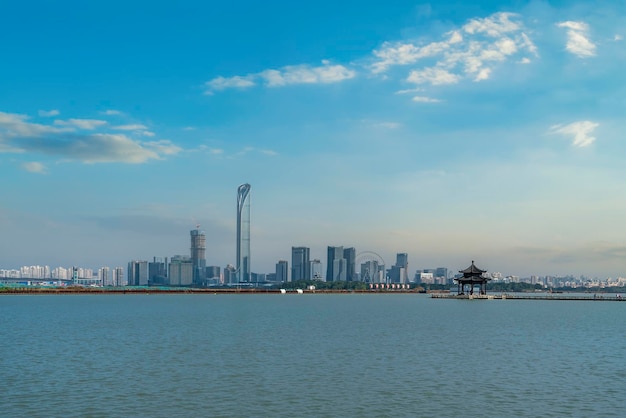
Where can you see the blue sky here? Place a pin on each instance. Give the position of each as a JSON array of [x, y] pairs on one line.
[[492, 131]]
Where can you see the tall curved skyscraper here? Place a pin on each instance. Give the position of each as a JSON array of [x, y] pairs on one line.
[[243, 233]]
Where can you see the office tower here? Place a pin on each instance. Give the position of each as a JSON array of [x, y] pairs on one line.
[[282, 271], [243, 233], [230, 275], [300, 264], [336, 265], [157, 271], [371, 272], [317, 272], [442, 273], [181, 271], [212, 272], [350, 255], [198, 250], [398, 272], [138, 273]]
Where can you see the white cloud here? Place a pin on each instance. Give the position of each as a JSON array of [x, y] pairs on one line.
[[112, 112], [288, 75], [495, 25], [410, 91], [618, 38], [524, 60], [88, 124], [131, 127], [578, 42], [66, 139], [302, 74], [483, 74], [16, 125], [269, 152], [471, 52], [163, 147], [424, 99], [222, 83], [387, 125], [34, 167], [407, 53], [434, 76], [580, 131], [49, 113]]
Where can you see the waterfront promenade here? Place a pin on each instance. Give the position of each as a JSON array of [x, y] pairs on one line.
[[164, 290]]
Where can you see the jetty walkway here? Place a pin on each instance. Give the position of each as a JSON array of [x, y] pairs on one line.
[[544, 296]]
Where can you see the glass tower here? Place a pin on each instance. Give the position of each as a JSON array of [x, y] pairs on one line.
[[243, 233], [300, 264]]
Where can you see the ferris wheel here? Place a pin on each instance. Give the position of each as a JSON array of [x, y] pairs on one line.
[[372, 267]]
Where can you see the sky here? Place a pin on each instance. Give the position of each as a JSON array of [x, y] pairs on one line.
[[453, 132]]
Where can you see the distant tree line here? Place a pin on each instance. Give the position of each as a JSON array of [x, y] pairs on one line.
[[321, 285]]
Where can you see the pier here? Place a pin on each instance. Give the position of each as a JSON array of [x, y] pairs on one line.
[[544, 296]]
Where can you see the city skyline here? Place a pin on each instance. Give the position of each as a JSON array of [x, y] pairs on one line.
[[448, 131]]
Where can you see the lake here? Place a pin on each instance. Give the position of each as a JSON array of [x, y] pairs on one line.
[[369, 355]]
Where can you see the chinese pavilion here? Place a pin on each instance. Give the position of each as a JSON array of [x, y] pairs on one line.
[[472, 276]]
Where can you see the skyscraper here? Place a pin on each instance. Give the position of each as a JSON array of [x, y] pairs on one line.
[[138, 273], [399, 272], [316, 270], [282, 271], [243, 233], [198, 251], [300, 265], [350, 255], [336, 265]]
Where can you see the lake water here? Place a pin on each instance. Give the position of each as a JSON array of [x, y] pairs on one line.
[[384, 355]]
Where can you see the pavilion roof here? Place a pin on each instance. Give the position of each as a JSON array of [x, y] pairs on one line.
[[474, 279], [472, 270]]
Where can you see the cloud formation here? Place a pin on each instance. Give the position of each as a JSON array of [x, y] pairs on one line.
[[288, 75], [73, 139], [34, 167], [580, 131], [578, 42], [49, 113], [88, 124], [472, 51]]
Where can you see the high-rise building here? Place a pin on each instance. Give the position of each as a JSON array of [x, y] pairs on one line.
[[317, 272], [282, 271], [212, 272], [104, 276], [399, 272], [442, 273], [138, 273], [198, 251], [372, 272], [118, 277], [336, 265], [181, 271], [157, 271], [300, 264], [243, 233], [350, 255], [230, 275]]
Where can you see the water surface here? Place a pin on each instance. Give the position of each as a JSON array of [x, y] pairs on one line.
[[310, 355]]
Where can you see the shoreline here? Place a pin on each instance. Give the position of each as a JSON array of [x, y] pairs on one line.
[[120, 291]]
